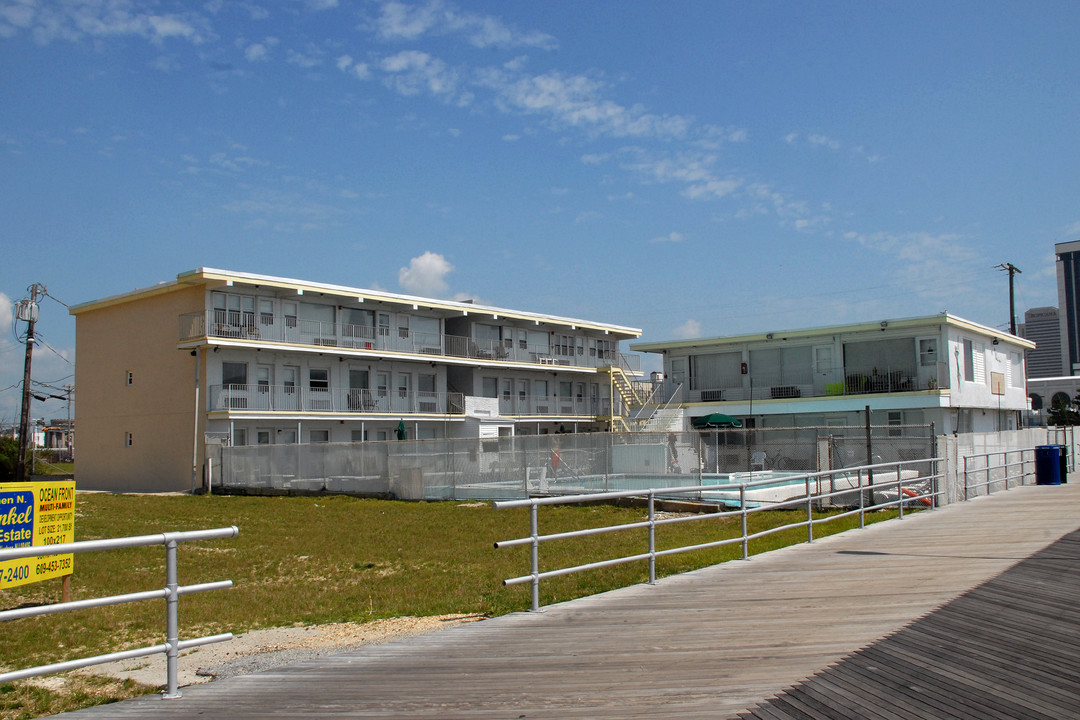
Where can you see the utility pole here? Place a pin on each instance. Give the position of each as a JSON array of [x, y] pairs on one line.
[[1012, 270], [69, 433], [26, 310]]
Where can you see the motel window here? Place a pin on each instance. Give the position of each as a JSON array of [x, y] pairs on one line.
[[425, 383], [319, 379], [490, 387], [233, 373], [319, 436], [266, 311], [928, 352], [425, 330], [234, 310], [239, 437], [318, 319], [969, 360]]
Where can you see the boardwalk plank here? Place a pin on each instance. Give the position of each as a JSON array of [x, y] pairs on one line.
[[722, 641]]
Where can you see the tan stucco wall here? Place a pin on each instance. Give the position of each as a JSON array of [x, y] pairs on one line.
[[157, 408]]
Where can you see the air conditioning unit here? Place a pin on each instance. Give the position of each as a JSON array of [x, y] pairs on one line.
[[712, 395]]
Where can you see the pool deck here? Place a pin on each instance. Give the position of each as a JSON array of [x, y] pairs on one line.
[[969, 611]]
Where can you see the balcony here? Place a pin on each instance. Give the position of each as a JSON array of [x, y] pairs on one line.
[[291, 399], [254, 328], [527, 405], [840, 381]]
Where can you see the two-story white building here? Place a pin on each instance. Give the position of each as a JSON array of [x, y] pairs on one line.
[[959, 375], [253, 359]]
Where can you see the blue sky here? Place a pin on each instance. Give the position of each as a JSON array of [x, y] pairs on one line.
[[692, 168]]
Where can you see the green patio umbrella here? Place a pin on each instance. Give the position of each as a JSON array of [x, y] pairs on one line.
[[715, 420]]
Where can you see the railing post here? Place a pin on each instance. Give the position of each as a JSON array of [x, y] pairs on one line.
[[742, 505], [965, 478], [809, 512], [935, 469], [652, 538], [900, 490], [534, 526], [862, 503], [171, 625]]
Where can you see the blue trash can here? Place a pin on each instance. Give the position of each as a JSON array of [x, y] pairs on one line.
[[1047, 465]]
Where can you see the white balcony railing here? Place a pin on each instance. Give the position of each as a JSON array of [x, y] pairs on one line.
[[850, 380], [292, 399], [258, 328], [511, 405]]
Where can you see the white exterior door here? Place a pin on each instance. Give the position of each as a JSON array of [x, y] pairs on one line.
[[825, 372]]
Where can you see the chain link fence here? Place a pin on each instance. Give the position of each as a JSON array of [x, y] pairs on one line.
[[520, 466]]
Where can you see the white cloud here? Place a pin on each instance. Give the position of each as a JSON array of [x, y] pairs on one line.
[[577, 101], [673, 237], [257, 53], [511, 137], [692, 169], [6, 310], [823, 141], [360, 70], [714, 188], [426, 274], [411, 72], [165, 63], [689, 330], [74, 22], [307, 61], [401, 21], [940, 266]]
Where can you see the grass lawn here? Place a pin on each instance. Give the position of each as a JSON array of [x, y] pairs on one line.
[[312, 560]]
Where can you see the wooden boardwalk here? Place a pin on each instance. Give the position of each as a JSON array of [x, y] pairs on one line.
[[841, 628]]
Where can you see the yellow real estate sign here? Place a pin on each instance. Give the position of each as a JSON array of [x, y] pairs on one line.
[[33, 514]]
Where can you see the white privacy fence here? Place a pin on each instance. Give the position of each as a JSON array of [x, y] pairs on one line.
[[525, 465]]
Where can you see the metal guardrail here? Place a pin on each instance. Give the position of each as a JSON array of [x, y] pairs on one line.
[[171, 593], [981, 471], [234, 325], [870, 494]]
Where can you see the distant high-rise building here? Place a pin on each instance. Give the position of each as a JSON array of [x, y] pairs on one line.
[[1043, 326], [1068, 282]]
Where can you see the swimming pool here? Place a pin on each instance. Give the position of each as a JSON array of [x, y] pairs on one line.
[[764, 487]]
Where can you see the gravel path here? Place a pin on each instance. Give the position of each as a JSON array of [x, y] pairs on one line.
[[263, 649]]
